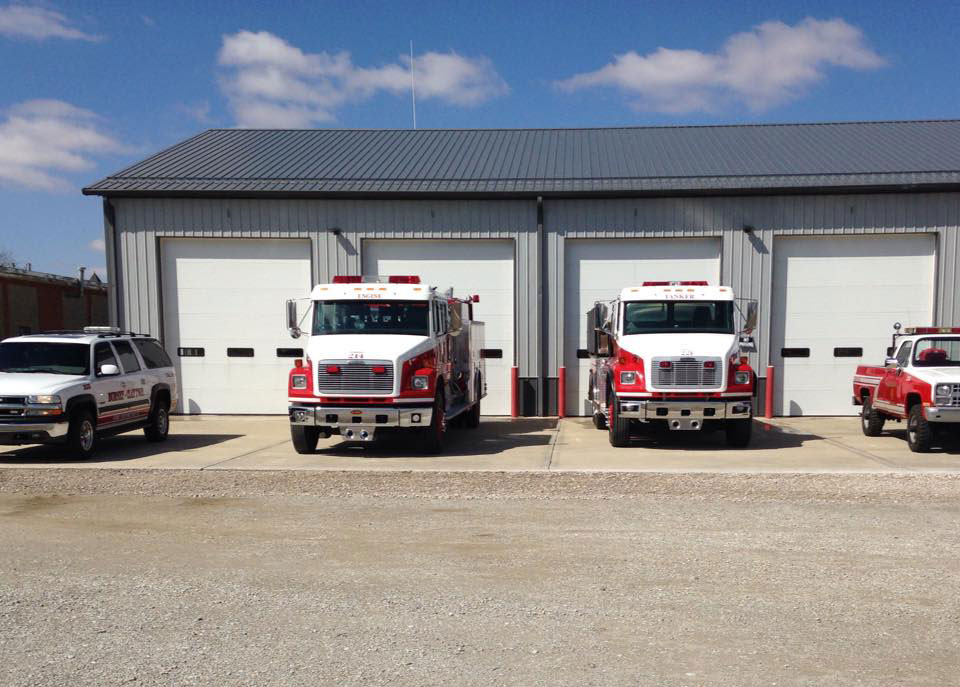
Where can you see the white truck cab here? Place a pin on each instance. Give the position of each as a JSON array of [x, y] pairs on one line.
[[385, 354], [74, 387]]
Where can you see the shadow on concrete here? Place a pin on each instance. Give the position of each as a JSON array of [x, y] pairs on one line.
[[491, 437], [944, 441], [112, 449], [764, 438]]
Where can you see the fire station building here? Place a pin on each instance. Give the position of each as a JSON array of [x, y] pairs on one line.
[[839, 230]]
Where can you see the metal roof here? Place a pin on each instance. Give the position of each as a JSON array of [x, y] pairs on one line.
[[548, 161]]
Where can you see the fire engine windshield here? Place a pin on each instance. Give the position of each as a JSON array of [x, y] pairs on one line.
[[659, 317], [371, 317], [937, 352]]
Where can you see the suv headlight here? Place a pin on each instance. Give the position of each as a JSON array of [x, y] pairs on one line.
[[943, 392], [43, 405], [44, 400], [741, 377], [628, 377], [420, 382]]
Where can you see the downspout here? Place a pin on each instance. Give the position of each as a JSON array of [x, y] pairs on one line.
[[112, 250], [542, 406]]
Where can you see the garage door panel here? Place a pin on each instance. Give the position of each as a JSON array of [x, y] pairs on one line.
[[597, 270], [832, 292], [228, 293], [482, 267]]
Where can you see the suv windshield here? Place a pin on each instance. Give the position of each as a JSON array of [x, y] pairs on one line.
[[937, 352], [371, 317], [658, 317], [42, 356]]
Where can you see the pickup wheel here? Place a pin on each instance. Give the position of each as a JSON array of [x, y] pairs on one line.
[[159, 426], [871, 421], [739, 432], [82, 434], [619, 427], [304, 438], [432, 441], [918, 430]]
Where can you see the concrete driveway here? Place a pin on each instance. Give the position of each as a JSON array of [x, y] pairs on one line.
[[812, 445]]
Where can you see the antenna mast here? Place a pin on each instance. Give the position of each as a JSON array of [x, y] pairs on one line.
[[413, 87]]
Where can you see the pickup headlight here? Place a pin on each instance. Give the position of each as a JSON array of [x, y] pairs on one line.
[[44, 400], [741, 377], [628, 377], [298, 381], [420, 382], [943, 393]]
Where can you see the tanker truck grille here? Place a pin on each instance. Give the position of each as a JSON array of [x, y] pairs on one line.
[[354, 376], [687, 373]]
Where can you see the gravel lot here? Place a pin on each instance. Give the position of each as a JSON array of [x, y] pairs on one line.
[[169, 577]]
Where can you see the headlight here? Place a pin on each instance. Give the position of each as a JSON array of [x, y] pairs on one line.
[[44, 400], [628, 377], [741, 377], [944, 391], [420, 382], [298, 381]]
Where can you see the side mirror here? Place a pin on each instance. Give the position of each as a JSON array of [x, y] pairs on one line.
[[889, 351], [747, 344], [109, 370], [891, 361], [751, 322], [603, 344], [292, 320]]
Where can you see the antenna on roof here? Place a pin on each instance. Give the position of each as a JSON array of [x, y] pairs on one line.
[[413, 88]]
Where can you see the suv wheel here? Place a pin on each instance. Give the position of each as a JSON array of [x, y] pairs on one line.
[[82, 434], [159, 425]]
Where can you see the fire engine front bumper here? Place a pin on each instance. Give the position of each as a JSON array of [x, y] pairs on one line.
[[360, 423], [685, 415]]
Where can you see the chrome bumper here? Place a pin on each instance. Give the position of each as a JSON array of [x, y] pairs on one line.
[[685, 415], [942, 414], [359, 422], [31, 432]]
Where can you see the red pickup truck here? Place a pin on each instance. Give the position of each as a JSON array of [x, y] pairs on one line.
[[919, 383]]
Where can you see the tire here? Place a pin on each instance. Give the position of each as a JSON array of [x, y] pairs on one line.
[[871, 421], [471, 419], [432, 437], [304, 438], [918, 430], [739, 432], [599, 421], [619, 428], [159, 426], [82, 434]]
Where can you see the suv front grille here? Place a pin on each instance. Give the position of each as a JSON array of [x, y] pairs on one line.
[[12, 406], [355, 376], [687, 373]]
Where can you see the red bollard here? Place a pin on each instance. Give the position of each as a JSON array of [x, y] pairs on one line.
[[514, 391], [768, 405], [561, 391]]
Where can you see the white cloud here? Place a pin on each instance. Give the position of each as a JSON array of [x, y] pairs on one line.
[[97, 245], [42, 139], [271, 83], [28, 21], [761, 68], [200, 111]]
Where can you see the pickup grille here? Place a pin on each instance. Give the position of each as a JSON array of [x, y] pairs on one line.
[[355, 377], [955, 396], [687, 373]]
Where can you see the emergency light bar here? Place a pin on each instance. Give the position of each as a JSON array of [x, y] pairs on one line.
[[362, 279], [675, 283], [932, 330]]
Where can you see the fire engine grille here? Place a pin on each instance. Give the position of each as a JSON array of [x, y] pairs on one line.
[[355, 376], [687, 373]]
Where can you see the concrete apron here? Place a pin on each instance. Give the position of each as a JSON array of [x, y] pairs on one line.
[[782, 445]]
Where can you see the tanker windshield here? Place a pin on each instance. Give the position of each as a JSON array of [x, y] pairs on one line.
[[661, 317], [371, 317]]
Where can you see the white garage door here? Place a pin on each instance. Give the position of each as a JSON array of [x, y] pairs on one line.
[[484, 268], [835, 300], [599, 269], [230, 294]]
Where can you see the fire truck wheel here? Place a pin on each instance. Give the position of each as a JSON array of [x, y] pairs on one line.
[[738, 432], [433, 435], [304, 438], [871, 422], [599, 421], [471, 418], [918, 430], [619, 429]]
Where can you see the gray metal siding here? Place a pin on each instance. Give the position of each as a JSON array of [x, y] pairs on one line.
[[141, 224], [747, 258]]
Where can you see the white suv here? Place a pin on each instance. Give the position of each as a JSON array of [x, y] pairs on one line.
[[74, 387]]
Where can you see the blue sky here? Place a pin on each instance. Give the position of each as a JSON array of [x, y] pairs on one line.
[[86, 88]]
